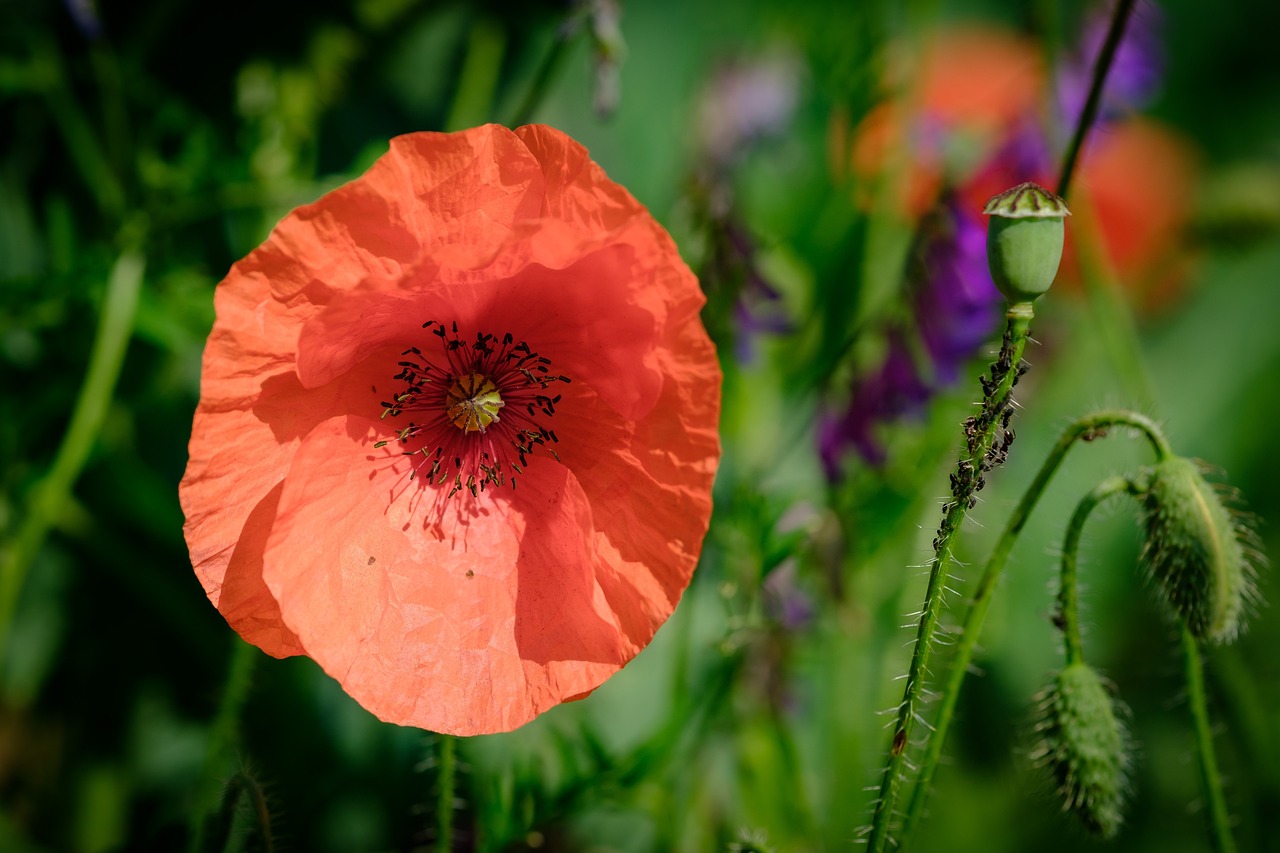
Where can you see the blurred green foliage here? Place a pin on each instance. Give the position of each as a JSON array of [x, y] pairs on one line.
[[176, 134]]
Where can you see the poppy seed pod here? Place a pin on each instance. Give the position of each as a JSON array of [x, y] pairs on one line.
[[1024, 240], [1086, 747], [1195, 551]]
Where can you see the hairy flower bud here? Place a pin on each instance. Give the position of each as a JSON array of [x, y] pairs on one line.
[[1086, 747], [1197, 553], [1024, 240]]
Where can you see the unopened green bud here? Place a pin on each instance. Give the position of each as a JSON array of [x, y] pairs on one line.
[[1197, 553], [1086, 747], [1024, 240]]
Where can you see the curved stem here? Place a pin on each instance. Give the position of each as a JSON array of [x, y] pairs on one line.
[[1087, 428], [1219, 821], [1068, 618], [980, 434], [1089, 112], [50, 494], [223, 734]]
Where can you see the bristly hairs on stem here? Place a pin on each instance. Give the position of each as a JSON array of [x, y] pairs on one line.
[[890, 784], [1085, 429], [1083, 741], [242, 787], [224, 734], [988, 437], [1210, 778], [441, 758]]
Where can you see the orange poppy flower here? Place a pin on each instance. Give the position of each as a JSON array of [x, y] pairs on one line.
[[457, 431]]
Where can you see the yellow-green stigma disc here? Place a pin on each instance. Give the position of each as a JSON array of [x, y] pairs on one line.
[[473, 402]]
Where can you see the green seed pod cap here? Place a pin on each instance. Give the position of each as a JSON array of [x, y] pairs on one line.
[[1086, 747], [1197, 553], [1024, 240]]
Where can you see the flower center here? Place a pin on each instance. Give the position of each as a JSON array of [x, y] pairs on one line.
[[473, 402], [478, 409]]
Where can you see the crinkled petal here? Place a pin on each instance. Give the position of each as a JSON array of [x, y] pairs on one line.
[[465, 190], [467, 614], [588, 317], [457, 615], [649, 481]]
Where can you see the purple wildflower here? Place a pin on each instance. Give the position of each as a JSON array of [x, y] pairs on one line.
[[953, 303], [955, 306], [785, 601], [745, 102], [954, 300]]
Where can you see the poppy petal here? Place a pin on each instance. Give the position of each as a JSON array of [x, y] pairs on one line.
[[458, 616]]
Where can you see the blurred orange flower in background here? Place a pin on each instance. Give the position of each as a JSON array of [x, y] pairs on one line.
[[969, 90], [967, 116], [1134, 194], [457, 432]]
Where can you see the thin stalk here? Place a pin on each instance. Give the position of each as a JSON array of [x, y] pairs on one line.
[[1111, 313], [1219, 820], [1113, 320], [1087, 428], [546, 71], [223, 735], [1089, 112], [446, 781], [50, 494], [980, 434], [85, 152], [1068, 590], [473, 98], [240, 786]]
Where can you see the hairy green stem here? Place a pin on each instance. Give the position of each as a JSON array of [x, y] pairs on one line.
[[50, 494], [1088, 113], [445, 782], [1219, 821], [980, 433], [1068, 617], [1087, 428], [223, 735], [240, 786]]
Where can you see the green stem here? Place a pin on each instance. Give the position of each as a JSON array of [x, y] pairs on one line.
[[240, 786], [473, 98], [1068, 592], [980, 433], [84, 150], [1089, 112], [223, 735], [1219, 821], [446, 781], [1113, 322], [49, 495], [547, 70], [1087, 428]]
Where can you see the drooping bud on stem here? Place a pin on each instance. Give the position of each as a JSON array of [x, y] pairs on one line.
[[1024, 240], [1198, 555], [1086, 747]]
